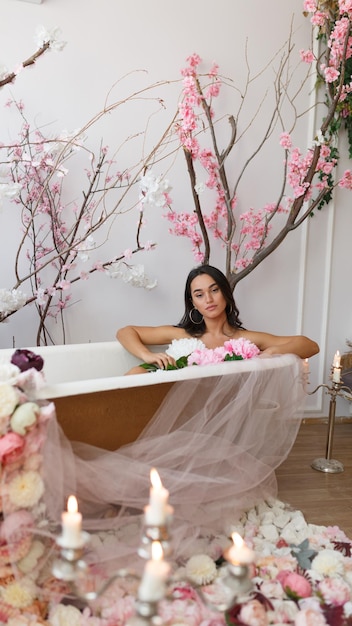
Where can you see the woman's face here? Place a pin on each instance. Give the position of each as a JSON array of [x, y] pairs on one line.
[[207, 296]]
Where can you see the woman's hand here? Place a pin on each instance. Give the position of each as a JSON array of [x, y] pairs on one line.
[[161, 359]]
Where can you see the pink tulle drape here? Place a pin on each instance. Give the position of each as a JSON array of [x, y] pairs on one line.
[[215, 441]]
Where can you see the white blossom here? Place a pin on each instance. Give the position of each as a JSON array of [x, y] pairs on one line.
[[153, 190], [52, 36], [11, 301], [133, 275]]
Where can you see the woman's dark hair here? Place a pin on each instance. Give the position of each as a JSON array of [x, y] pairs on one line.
[[232, 312]]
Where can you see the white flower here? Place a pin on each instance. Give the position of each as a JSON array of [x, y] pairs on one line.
[[65, 615], [24, 416], [9, 190], [26, 489], [8, 399], [52, 36], [153, 190], [29, 562], [201, 569], [19, 594], [329, 563], [133, 275], [184, 347], [199, 188], [11, 301]]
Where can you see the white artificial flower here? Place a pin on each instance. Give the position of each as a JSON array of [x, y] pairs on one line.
[[30, 561], [133, 275], [20, 593], [201, 569], [329, 563], [153, 190], [11, 301], [43, 36], [26, 489], [8, 371], [184, 347], [199, 188], [24, 416], [9, 190], [8, 399], [65, 615]]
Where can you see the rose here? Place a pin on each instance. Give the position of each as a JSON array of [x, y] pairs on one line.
[[11, 447], [295, 585], [26, 359]]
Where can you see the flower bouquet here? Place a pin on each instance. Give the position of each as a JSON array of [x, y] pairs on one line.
[[192, 351], [23, 423]]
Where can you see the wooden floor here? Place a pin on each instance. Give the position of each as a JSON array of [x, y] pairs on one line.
[[323, 498]]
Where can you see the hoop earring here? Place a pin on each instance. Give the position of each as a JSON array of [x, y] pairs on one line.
[[191, 318]]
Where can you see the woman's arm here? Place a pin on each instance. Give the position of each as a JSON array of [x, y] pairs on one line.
[[274, 344], [136, 339]]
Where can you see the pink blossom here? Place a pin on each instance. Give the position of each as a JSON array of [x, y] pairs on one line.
[[331, 74], [310, 5], [127, 253], [346, 180], [307, 56], [286, 141]]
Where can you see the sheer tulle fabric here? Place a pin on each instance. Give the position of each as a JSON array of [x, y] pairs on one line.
[[215, 442]]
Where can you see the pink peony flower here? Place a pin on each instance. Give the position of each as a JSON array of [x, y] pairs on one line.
[[309, 617], [334, 591], [295, 585], [253, 614], [11, 447], [241, 347]]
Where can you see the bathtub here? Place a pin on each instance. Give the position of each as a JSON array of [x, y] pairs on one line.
[[97, 404]]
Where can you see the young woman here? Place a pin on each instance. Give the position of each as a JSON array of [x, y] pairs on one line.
[[212, 316]]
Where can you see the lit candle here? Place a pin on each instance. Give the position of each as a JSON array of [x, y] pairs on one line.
[[336, 373], [239, 553], [156, 571], [157, 511], [71, 525], [306, 366]]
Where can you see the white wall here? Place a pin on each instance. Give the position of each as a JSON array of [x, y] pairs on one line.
[[303, 287]]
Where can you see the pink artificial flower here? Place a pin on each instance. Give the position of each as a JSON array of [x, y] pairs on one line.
[[241, 347], [11, 447], [307, 56], [309, 617], [16, 524], [253, 614], [334, 591], [346, 180], [310, 5], [331, 74], [286, 141], [294, 584]]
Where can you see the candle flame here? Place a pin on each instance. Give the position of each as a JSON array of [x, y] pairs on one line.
[[237, 540], [155, 478], [157, 551], [72, 505]]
